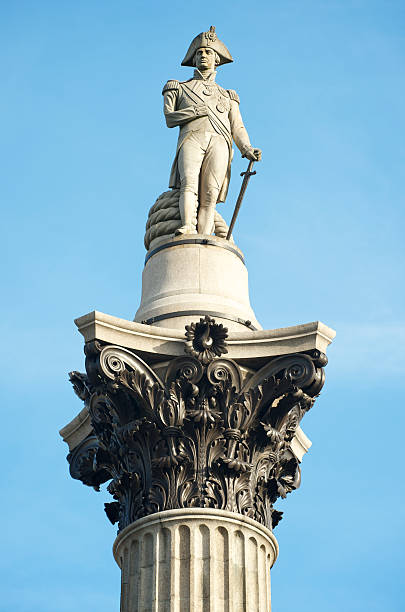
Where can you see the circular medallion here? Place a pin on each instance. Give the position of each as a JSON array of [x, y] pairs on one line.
[[220, 107], [207, 92]]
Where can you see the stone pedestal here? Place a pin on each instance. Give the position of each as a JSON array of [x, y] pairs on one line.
[[195, 560], [188, 277]]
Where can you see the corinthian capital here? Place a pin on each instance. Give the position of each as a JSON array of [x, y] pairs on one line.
[[198, 431]]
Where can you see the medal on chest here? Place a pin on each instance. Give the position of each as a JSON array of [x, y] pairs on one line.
[[208, 90], [221, 108]]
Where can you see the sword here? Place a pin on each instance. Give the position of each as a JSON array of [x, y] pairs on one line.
[[246, 176]]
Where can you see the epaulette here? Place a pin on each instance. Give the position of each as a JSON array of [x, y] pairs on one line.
[[170, 85], [233, 95]]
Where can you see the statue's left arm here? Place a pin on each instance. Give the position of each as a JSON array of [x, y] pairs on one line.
[[239, 133]]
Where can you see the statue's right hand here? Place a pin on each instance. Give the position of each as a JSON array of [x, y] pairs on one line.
[[201, 110]]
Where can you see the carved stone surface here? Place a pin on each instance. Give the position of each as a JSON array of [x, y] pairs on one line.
[[204, 434], [209, 120], [195, 559], [187, 278]]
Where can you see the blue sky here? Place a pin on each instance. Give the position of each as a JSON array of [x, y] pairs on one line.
[[84, 152]]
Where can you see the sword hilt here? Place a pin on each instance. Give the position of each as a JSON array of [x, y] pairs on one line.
[[248, 172]]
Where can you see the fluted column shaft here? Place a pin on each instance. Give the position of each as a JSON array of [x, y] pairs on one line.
[[195, 560]]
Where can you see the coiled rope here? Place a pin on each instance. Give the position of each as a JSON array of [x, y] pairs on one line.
[[164, 218]]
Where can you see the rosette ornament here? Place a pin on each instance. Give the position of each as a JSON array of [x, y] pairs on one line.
[[206, 339]]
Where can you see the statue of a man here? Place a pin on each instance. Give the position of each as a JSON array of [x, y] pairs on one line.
[[209, 119]]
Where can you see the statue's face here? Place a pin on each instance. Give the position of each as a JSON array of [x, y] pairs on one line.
[[205, 58]]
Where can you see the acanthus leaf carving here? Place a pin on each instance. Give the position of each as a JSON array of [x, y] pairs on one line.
[[201, 437]]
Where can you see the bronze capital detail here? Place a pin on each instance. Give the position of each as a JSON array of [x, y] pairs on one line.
[[203, 433]]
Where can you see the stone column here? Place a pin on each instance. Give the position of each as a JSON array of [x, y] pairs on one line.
[[197, 560], [196, 430]]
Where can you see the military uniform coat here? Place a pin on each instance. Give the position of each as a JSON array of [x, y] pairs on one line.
[[181, 108]]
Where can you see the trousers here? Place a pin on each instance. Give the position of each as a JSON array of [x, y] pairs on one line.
[[202, 165]]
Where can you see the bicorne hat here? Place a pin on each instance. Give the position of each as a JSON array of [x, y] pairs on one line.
[[207, 39]]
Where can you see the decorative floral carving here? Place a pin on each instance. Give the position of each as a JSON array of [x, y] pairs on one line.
[[200, 438], [211, 35], [206, 339]]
